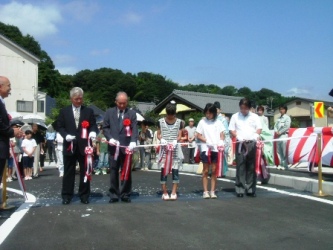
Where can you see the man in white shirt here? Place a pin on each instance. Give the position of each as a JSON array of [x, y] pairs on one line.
[[246, 127]]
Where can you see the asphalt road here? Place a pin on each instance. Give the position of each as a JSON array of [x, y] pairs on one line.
[[273, 220]]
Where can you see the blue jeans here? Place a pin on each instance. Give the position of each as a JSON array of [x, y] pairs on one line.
[[103, 160], [175, 176]]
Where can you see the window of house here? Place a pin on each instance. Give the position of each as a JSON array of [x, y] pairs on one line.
[[24, 106], [40, 106], [298, 102]]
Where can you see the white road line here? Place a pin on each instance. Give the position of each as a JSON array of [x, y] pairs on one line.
[[304, 196], [10, 223]]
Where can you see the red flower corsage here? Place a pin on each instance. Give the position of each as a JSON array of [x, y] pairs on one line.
[[127, 124], [85, 124], [84, 132]]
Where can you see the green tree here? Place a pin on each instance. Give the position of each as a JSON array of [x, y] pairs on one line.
[[229, 90]]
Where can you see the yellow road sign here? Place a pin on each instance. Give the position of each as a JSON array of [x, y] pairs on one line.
[[319, 109]]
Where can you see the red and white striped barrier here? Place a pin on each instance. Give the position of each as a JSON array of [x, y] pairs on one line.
[[302, 149]]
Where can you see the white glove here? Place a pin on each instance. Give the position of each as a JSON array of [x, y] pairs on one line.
[[132, 145], [163, 141], [92, 135], [174, 143], [113, 142], [70, 138], [240, 138], [255, 136], [209, 143], [221, 143]]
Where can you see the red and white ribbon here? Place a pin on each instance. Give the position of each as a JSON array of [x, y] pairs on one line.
[[70, 147], [84, 133], [88, 163], [220, 161], [169, 149], [18, 173], [128, 131], [260, 146], [126, 170], [116, 153]]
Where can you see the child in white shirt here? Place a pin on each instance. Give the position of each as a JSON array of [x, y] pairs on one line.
[[28, 146], [210, 134]]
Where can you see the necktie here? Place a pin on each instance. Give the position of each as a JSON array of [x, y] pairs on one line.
[[76, 116], [120, 118]]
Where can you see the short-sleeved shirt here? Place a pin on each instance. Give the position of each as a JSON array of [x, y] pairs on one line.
[[245, 126], [181, 125], [38, 137], [29, 145], [211, 130], [103, 147]]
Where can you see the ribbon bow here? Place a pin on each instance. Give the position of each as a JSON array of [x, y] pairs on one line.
[[168, 159], [126, 170], [220, 161], [260, 145], [88, 162]]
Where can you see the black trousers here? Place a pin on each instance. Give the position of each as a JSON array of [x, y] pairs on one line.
[[51, 150], [191, 154], [2, 168], [68, 181], [125, 188], [246, 178]]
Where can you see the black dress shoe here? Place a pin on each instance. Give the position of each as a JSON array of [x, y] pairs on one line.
[[240, 195], [128, 200], [84, 201], [66, 201], [252, 195], [113, 200]]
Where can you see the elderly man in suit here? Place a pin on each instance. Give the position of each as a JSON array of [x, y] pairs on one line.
[[6, 131], [73, 122], [118, 134]]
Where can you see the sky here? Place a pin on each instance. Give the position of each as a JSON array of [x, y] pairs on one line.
[[282, 45]]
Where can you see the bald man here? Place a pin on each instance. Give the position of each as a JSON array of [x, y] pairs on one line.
[[116, 133], [6, 132]]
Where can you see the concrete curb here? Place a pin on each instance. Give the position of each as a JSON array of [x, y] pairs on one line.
[[298, 183]]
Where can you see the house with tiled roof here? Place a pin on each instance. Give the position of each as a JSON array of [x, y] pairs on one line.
[[301, 111], [145, 107], [197, 101]]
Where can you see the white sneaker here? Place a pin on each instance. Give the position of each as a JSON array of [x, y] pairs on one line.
[[26, 178], [61, 175], [9, 179], [29, 178], [173, 197], [206, 195], [213, 195], [165, 197]]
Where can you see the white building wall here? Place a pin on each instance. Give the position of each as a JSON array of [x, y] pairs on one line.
[[22, 71]]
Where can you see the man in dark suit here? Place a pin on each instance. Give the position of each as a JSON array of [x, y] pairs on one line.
[[70, 127], [6, 131], [117, 134]]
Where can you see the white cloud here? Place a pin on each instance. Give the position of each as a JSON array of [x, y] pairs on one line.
[[99, 52], [82, 10], [67, 70], [38, 21], [131, 18], [298, 91], [63, 59]]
